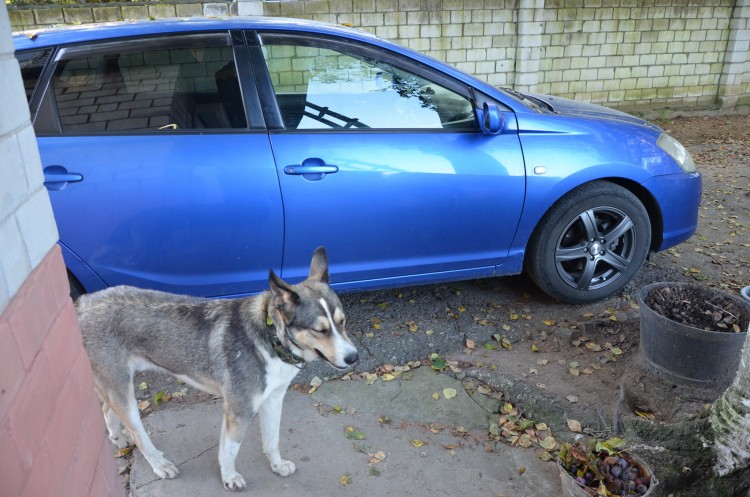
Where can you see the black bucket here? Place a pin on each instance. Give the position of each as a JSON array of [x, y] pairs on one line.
[[685, 354]]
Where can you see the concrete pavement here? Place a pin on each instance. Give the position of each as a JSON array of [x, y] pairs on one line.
[[412, 460]]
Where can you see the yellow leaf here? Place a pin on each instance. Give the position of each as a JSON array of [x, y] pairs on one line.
[[549, 322], [376, 326], [542, 427], [521, 470], [388, 377], [449, 393], [124, 451], [534, 348], [435, 395], [417, 443], [548, 443], [143, 405], [345, 480], [645, 414], [513, 316], [506, 327]]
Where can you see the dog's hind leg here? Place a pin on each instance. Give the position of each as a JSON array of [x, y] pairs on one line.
[[233, 430], [270, 422], [124, 407], [114, 426]]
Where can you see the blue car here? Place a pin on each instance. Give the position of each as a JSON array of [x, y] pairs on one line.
[[192, 156]]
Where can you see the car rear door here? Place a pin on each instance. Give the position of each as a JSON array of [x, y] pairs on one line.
[[158, 166], [382, 161]]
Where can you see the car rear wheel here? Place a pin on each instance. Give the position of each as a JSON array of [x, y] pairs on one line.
[[590, 244], [76, 289]]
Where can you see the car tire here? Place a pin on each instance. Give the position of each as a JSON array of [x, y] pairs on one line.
[[590, 244], [76, 289]]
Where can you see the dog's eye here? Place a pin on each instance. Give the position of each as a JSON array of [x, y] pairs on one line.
[[321, 331]]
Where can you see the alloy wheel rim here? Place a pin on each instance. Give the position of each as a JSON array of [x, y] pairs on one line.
[[595, 248]]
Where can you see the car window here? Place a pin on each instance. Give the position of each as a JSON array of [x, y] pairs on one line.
[[325, 86], [32, 63], [176, 88]]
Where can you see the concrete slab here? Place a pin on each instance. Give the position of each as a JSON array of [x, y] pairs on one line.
[[314, 439]]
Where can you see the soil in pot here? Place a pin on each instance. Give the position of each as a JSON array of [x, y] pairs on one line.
[[692, 334], [699, 307]]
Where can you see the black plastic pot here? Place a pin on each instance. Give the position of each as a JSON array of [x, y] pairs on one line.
[[685, 354]]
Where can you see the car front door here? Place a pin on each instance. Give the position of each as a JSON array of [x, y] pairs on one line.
[[158, 166], [383, 162]]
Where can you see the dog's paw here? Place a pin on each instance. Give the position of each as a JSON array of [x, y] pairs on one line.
[[120, 442], [165, 469], [234, 482], [284, 468]]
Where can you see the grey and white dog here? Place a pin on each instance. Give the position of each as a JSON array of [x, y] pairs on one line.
[[224, 347]]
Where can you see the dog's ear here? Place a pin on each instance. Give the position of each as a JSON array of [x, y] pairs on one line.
[[319, 265], [285, 299]]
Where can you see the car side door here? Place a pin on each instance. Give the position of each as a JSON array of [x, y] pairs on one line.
[[382, 160], [158, 165]]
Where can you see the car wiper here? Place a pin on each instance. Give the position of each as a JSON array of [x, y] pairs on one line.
[[536, 103], [520, 96]]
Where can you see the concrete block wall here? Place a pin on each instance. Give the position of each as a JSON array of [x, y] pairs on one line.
[[52, 436], [640, 55]]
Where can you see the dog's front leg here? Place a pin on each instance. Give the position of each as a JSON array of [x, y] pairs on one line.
[[270, 422], [233, 430]]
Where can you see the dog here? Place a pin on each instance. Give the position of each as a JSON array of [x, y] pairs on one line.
[[245, 350]]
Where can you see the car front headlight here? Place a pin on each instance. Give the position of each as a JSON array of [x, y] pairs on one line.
[[675, 150]]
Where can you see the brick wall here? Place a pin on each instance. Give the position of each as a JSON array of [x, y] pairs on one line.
[[640, 55], [52, 437]]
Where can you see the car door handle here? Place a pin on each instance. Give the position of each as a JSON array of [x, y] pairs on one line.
[[57, 177], [313, 169]]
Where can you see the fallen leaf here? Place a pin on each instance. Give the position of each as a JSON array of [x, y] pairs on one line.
[[142, 385], [377, 457], [548, 443], [521, 470], [645, 414], [575, 426], [435, 395], [143, 405], [573, 399], [470, 344], [449, 393], [417, 443], [345, 480], [316, 382], [489, 346], [124, 451], [549, 322], [542, 427], [353, 434]]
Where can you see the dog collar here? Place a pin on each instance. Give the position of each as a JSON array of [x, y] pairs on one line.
[[282, 352]]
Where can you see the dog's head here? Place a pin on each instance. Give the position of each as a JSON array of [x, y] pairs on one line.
[[309, 316]]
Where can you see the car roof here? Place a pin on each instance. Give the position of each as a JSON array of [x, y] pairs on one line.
[[84, 33], [122, 29]]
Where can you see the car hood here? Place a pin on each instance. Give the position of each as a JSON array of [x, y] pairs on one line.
[[568, 107]]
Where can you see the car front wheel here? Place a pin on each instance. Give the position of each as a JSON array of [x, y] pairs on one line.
[[590, 244]]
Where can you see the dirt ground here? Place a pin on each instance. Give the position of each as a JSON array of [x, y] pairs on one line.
[[583, 359]]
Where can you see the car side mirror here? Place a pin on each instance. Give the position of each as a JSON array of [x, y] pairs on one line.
[[491, 119]]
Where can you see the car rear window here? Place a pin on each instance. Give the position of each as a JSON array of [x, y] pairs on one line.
[[176, 88]]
